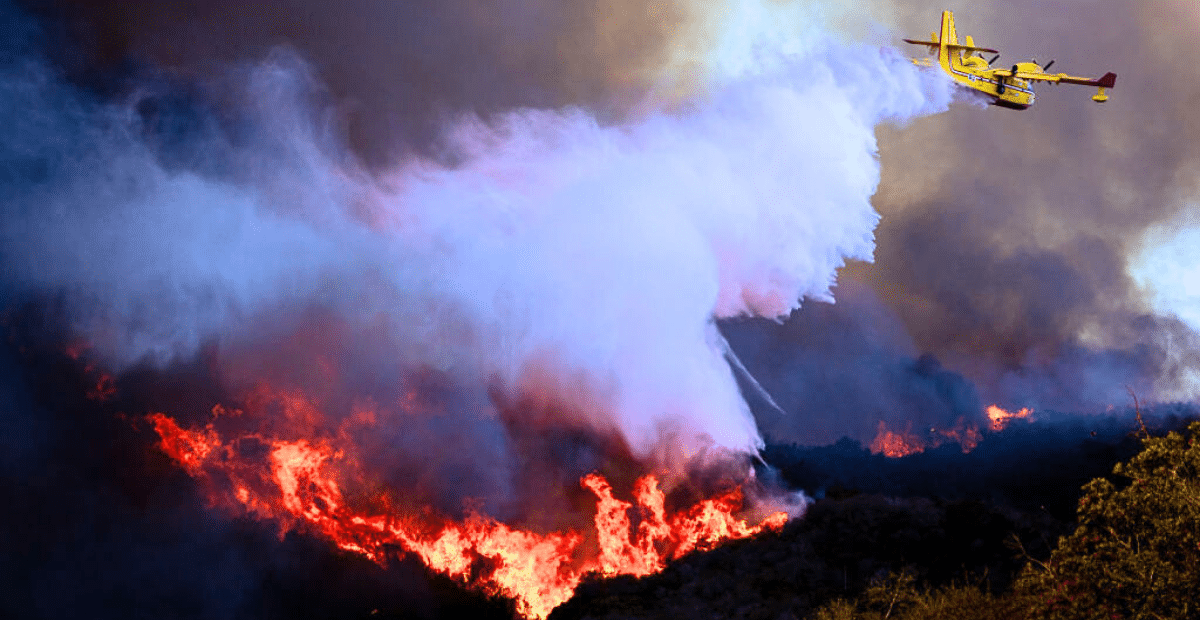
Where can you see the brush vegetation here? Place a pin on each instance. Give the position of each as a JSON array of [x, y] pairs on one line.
[[1132, 551]]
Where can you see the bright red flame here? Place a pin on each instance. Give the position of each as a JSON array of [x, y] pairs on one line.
[[188, 448], [296, 484]]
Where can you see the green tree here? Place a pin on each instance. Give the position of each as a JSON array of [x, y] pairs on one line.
[[1136, 551]]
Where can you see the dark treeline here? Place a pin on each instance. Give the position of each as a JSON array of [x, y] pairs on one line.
[[940, 519], [1030, 466]]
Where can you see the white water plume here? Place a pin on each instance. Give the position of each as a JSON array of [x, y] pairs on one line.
[[593, 257]]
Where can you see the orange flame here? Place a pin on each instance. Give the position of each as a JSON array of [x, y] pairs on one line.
[[895, 445], [967, 436], [1001, 418], [298, 486]]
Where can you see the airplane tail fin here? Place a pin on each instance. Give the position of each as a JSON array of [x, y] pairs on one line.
[[947, 38], [1108, 81], [945, 44]]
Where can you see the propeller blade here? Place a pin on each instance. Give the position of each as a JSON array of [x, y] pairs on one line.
[[1047, 67], [994, 58]]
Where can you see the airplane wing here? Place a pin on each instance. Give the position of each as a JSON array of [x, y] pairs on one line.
[[1108, 81], [1026, 75], [952, 47]]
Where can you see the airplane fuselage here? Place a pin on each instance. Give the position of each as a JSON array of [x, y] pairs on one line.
[[974, 74], [1013, 93]]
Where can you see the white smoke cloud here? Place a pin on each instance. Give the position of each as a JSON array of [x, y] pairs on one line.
[[599, 255], [1167, 267], [615, 247]]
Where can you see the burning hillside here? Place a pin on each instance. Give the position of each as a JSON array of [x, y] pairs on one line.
[[300, 484], [507, 300]]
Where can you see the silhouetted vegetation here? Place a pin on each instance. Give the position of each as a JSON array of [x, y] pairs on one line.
[[1032, 467], [1135, 553], [963, 536]]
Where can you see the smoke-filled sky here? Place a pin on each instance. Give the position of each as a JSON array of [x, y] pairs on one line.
[[1037, 256], [510, 243], [557, 198], [539, 244]]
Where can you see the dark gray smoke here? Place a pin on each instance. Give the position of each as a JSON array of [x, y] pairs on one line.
[[1007, 237], [397, 70]]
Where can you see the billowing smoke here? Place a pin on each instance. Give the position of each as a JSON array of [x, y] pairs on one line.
[[1008, 238], [396, 71], [544, 254], [461, 298], [501, 245]]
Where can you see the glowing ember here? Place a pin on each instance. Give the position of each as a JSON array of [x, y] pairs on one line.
[[966, 436], [295, 483], [1001, 418], [105, 388]]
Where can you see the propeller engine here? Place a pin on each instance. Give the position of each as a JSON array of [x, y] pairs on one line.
[[1000, 88]]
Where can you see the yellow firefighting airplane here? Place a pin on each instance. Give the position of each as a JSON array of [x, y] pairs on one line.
[[1009, 88]]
